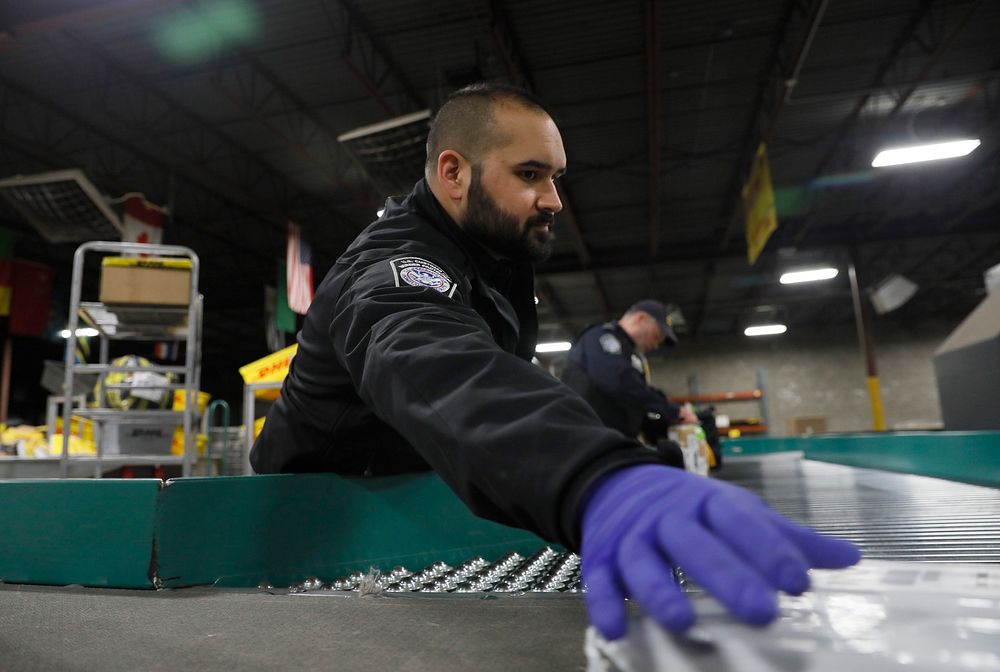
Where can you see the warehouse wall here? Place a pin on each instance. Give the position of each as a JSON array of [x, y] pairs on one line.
[[815, 373]]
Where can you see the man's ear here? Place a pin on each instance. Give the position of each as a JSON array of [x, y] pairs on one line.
[[453, 174]]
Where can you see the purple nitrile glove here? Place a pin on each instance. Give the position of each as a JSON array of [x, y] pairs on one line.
[[641, 521]]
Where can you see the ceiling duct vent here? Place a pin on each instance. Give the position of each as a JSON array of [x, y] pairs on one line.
[[393, 151], [63, 206]]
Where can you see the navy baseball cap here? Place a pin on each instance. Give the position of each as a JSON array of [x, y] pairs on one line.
[[659, 313]]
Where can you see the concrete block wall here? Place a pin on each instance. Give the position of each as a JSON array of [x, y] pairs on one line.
[[814, 373]]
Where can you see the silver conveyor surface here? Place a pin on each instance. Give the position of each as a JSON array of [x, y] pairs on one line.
[[891, 515]]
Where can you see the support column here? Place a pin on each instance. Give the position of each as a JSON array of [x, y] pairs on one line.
[[867, 344]]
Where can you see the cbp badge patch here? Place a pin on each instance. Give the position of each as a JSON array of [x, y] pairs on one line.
[[419, 272], [610, 344]]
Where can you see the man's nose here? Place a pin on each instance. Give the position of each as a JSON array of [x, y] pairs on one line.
[[549, 198]]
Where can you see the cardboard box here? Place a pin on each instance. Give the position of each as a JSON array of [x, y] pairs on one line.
[[150, 281], [807, 424]]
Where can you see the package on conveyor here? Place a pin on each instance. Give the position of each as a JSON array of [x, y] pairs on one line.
[[697, 454]]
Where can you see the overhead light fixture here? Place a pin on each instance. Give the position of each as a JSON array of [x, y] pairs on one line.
[[82, 331], [892, 293], [765, 330], [916, 153], [808, 275], [392, 152], [557, 346], [63, 205]]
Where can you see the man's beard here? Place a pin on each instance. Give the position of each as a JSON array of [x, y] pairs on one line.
[[500, 231]]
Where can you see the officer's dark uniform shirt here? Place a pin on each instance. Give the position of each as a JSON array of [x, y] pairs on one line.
[[416, 351], [605, 369]]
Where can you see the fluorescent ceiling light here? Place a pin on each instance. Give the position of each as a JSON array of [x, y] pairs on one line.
[[940, 150], [82, 331], [765, 330], [558, 346], [808, 275]]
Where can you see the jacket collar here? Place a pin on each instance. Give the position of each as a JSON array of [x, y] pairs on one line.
[[495, 270], [624, 334]]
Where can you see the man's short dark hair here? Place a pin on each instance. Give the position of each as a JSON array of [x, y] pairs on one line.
[[466, 123]]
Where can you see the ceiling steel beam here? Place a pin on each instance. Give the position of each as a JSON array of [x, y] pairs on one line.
[[986, 171], [252, 87], [706, 253], [906, 36], [24, 18], [967, 203], [837, 96], [55, 139], [137, 104], [792, 39], [653, 124], [507, 49], [974, 190], [370, 62], [935, 56]]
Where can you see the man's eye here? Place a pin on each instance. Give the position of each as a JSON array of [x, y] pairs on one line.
[[528, 175]]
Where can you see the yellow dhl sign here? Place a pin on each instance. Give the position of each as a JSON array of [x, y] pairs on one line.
[[270, 369]]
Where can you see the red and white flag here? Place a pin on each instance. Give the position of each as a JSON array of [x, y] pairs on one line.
[[142, 221], [298, 258]]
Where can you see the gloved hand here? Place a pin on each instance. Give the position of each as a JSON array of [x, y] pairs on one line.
[[640, 521]]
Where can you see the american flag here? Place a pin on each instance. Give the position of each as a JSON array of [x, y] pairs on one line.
[[298, 256]]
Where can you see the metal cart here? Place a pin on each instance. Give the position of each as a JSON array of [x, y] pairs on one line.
[[135, 322]]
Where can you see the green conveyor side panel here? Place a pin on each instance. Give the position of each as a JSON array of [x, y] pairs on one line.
[[92, 533], [281, 529], [759, 445], [969, 457]]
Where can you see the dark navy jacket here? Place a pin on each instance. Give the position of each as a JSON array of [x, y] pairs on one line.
[[604, 368], [416, 351]]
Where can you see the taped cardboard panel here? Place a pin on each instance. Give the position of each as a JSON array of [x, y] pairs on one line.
[[91, 533], [281, 529]]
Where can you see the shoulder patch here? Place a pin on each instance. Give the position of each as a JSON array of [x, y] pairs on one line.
[[610, 344], [419, 272]]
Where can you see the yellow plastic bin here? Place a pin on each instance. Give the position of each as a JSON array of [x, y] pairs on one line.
[[177, 444]]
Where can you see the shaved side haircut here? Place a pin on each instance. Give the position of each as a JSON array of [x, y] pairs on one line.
[[467, 125]]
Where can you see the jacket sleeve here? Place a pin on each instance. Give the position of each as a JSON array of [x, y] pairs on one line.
[[512, 442], [611, 370]]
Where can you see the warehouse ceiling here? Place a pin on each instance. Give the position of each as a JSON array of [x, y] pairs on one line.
[[232, 112]]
